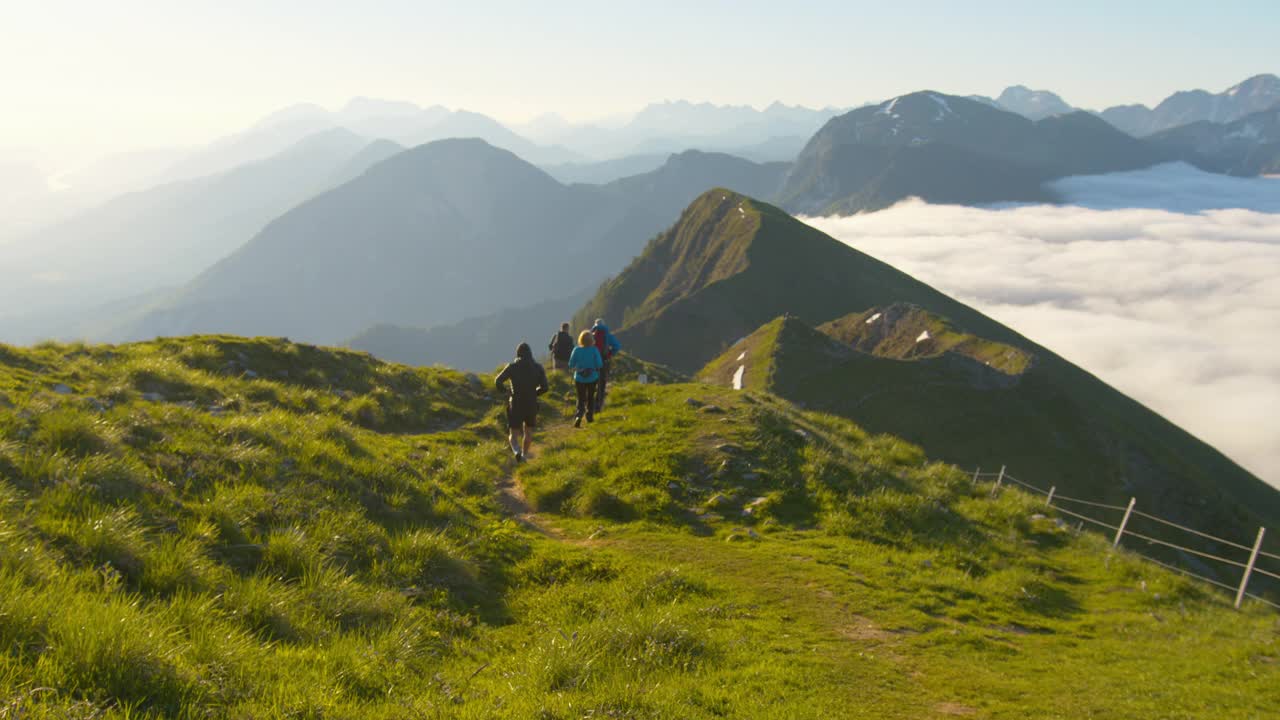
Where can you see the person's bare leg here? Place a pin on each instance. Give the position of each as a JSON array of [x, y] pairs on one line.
[[511, 439], [528, 439]]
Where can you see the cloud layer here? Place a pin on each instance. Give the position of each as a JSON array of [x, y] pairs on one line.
[[1170, 301]]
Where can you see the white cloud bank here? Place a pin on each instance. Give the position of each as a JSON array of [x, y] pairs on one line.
[[1165, 283]]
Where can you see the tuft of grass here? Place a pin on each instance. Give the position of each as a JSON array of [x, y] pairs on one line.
[[74, 433]]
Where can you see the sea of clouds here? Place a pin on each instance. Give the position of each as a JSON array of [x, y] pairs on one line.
[[1164, 282]]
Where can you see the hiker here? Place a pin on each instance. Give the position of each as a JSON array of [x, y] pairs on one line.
[[561, 346], [528, 381], [585, 360], [608, 346]]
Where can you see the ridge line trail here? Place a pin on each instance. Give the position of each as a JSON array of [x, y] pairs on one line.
[[821, 601], [822, 617]]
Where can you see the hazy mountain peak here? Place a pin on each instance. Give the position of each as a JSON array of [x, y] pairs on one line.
[[1032, 104], [1263, 84]]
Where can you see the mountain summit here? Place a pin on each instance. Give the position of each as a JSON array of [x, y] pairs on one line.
[[948, 149], [732, 263], [861, 339], [445, 225], [1033, 104]]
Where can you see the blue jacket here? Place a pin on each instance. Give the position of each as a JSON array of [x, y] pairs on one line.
[[610, 342], [586, 362]]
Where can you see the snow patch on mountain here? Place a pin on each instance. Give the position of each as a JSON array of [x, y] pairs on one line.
[[1151, 280]]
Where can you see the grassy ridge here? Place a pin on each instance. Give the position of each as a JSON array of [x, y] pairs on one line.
[[216, 527], [974, 392], [907, 332], [873, 583]]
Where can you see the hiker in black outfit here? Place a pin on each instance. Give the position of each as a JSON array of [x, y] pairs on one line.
[[561, 346], [528, 381]]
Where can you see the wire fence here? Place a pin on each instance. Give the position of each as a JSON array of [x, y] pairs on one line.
[[1253, 562]]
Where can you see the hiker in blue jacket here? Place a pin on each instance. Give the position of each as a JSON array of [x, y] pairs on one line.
[[608, 346], [585, 362]]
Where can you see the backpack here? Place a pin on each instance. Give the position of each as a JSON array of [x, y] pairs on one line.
[[561, 345], [602, 342]]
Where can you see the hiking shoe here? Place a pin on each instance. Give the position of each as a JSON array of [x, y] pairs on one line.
[[591, 417], [577, 422]]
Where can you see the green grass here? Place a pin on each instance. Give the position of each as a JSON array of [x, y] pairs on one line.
[[286, 531], [974, 393], [895, 332]]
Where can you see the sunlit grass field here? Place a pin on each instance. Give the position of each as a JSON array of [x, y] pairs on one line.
[[218, 527]]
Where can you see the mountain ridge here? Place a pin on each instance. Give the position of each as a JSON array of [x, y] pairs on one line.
[[164, 236], [1254, 94], [431, 217], [948, 149], [732, 264]]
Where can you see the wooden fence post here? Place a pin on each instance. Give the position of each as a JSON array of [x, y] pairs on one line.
[[999, 481], [1120, 531], [1049, 500], [975, 475], [1248, 569]]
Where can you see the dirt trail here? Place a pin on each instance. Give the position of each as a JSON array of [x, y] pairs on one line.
[[513, 501]]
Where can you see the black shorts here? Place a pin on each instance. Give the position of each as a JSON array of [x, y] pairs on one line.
[[522, 415]]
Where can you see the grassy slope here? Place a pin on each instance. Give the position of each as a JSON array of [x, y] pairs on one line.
[[868, 583], [732, 264], [275, 530], [895, 332], [967, 413]]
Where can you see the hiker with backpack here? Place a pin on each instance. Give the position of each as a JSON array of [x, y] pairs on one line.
[[561, 347], [608, 346], [528, 381], [586, 362]]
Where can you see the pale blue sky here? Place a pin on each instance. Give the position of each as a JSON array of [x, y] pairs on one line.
[[89, 76]]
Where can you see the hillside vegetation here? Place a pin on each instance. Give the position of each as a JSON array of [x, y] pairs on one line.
[[974, 392], [218, 527]]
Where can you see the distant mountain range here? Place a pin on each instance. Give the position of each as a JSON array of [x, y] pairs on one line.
[[774, 133], [668, 189], [1260, 92], [140, 242], [1248, 146], [447, 231], [478, 343], [741, 293], [948, 149], [1256, 94], [122, 269], [450, 224], [404, 123]]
